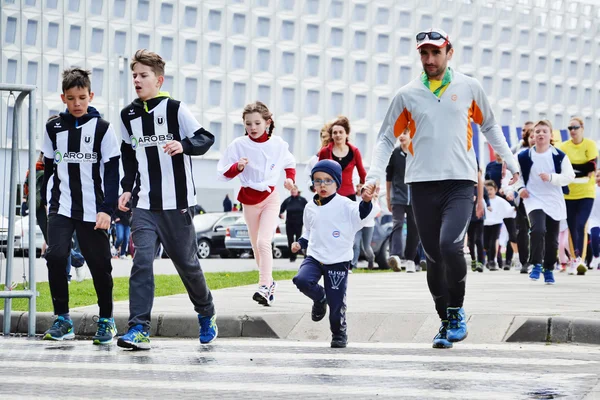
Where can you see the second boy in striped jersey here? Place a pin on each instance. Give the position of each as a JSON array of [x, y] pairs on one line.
[[159, 136], [81, 157]]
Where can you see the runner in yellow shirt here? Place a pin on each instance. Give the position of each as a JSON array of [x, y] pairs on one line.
[[582, 153]]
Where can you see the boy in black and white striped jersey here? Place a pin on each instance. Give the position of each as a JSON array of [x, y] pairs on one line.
[[81, 164], [159, 136]]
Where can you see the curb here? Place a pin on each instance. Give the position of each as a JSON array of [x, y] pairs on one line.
[[293, 326]]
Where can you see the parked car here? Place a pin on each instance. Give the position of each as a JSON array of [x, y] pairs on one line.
[[237, 239], [22, 237], [210, 232], [381, 239]]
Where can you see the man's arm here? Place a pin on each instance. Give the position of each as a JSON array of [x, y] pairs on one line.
[[130, 164], [483, 115]]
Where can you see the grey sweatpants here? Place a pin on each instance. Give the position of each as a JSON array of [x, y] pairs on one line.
[[175, 231]]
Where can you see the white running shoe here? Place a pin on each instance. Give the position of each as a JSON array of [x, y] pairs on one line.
[[410, 266], [262, 295], [571, 267], [595, 263]]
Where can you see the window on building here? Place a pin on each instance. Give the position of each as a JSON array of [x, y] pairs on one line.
[[166, 48], [360, 40], [53, 35], [97, 81], [263, 59], [11, 71], [337, 37], [264, 93], [287, 62], [214, 93], [11, 30], [263, 27], [97, 40], [74, 5], [74, 37], [383, 43], [31, 34], [312, 34], [312, 102], [359, 13], [214, 54], [191, 89], [53, 77], [467, 29], [312, 64], [214, 20], [337, 68], [238, 60], [336, 9], [337, 103], [191, 47], [289, 135], [383, 16], [360, 71], [360, 106], [119, 8], [239, 95], [143, 41], [383, 103], [287, 30], [288, 99], [383, 74], [143, 10], [216, 128], [239, 24], [166, 13], [190, 17], [96, 7], [32, 71]]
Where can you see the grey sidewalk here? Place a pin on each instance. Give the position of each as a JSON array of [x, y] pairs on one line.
[[391, 307]]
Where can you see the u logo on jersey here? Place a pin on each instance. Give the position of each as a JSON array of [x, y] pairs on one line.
[[160, 120], [87, 139]]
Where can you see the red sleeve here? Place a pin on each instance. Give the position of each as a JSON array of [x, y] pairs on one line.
[[291, 174], [359, 165], [323, 154], [233, 171]]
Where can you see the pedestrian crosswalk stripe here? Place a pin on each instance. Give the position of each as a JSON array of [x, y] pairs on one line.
[[502, 376], [453, 358], [261, 387]]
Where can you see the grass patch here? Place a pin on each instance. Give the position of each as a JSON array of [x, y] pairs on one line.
[[83, 293]]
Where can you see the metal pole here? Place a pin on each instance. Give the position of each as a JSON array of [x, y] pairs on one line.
[[32, 215], [10, 244]]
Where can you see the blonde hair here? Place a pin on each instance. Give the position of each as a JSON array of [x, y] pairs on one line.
[[263, 110], [150, 59], [578, 119], [327, 140]]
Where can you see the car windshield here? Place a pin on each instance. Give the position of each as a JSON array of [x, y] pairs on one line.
[[206, 221], [240, 221]]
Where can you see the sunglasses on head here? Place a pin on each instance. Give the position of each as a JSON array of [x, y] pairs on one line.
[[432, 35], [573, 128]]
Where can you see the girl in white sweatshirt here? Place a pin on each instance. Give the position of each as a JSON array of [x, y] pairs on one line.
[[258, 158]]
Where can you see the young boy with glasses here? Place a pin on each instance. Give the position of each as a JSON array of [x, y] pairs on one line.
[[330, 224]]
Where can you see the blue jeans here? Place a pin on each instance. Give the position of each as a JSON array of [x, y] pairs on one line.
[[578, 212], [122, 237]]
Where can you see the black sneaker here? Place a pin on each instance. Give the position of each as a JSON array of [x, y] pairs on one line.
[[473, 265], [525, 268], [339, 341], [62, 329], [479, 267], [423, 265], [493, 266], [319, 309]]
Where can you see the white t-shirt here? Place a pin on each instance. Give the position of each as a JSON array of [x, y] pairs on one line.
[[370, 220], [500, 209], [545, 196], [330, 229]]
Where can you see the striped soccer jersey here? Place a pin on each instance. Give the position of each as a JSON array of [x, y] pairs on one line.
[[83, 182], [157, 180]]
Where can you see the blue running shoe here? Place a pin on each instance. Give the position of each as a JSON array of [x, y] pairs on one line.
[[549, 277], [62, 329], [208, 328], [534, 275], [457, 325], [107, 330], [440, 341], [136, 339]]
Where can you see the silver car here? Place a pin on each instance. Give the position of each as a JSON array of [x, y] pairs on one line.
[[237, 240]]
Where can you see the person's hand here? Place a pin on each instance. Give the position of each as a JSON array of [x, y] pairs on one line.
[[296, 247], [501, 191], [545, 176], [102, 221], [173, 148], [514, 178], [510, 196], [490, 208], [124, 200], [288, 184], [367, 193], [117, 219], [242, 163], [480, 208], [523, 193], [598, 179]]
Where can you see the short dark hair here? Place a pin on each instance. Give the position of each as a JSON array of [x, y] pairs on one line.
[[448, 47], [76, 77]]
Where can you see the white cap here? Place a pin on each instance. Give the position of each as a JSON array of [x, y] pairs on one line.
[[442, 41]]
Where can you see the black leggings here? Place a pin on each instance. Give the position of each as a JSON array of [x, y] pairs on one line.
[[442, 211], [491, 233], [476, 239], [522, 234]]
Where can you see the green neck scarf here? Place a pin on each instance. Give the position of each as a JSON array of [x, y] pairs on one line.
[[445, 81]]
